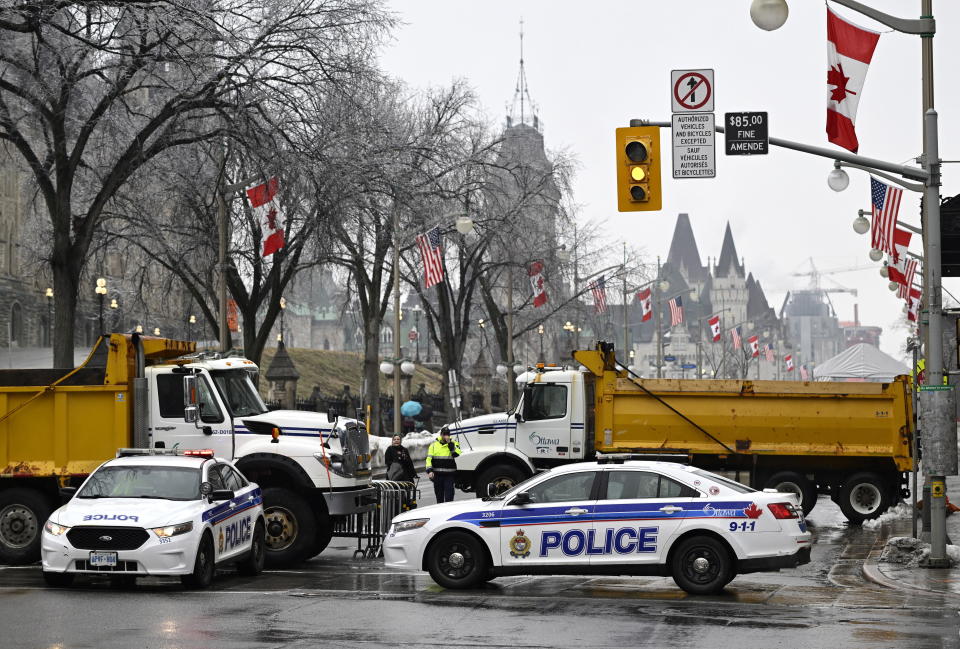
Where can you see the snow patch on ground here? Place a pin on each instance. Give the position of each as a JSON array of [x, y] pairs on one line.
[[909, 552], [900, 511]]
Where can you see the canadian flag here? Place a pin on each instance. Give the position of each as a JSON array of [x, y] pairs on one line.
[[536, 282], [901, 243], [754, 345], [849, 50], [788, 359], [646, 304], [913, 305], [266, 209], [715, 328]]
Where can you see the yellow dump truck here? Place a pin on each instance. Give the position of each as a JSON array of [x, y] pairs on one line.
[[849, 440], [57, 426]]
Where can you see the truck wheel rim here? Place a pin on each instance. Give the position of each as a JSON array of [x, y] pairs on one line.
[[701, 565], [456, 561], [790, 488], [865, 498], [281, 528], [18, 526], [502, 483]]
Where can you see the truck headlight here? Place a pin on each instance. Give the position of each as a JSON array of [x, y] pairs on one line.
[[406, 526], [55, 528], [173, 530], [332, 461]]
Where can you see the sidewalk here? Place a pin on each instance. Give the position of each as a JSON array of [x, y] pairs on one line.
[[945, 581]]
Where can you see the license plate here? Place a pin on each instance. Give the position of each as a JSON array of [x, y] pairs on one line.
[[103, 559]]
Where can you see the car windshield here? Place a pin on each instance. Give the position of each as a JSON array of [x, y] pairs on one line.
[[237, 390], [166, 482], [726, 482]]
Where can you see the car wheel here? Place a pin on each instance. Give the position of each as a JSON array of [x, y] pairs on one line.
[[457, 560], [58, 579], [501, 477], [797, 483], [252, 565], [203, 565], [291, 527], [862, 497], [22, 515], [701, 565]]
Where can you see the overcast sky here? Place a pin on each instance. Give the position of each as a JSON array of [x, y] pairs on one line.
[[591, 66]]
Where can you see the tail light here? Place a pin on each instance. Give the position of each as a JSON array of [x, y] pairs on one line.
[[783, 510]]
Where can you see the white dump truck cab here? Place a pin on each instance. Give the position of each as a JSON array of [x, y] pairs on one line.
[[545, 429], [311, 466]]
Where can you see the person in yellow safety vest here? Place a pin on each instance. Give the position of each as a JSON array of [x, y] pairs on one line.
[[442, 465]]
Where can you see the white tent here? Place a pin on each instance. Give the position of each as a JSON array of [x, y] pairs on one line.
[[861, 362]]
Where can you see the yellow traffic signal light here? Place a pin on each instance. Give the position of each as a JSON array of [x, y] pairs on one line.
[[638, 169]]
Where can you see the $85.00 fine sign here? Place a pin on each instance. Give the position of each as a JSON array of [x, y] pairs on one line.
[[746, 133]]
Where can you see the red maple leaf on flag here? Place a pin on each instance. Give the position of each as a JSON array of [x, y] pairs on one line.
[[835, 77], [752, 511]]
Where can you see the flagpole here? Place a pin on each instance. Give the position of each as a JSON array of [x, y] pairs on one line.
[[397, 425], [656, 286], [510, 374]]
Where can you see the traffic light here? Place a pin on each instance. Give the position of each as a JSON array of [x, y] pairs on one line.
[[638, 169]]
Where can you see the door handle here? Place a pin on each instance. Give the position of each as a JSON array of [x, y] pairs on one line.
[[232, 504], [671, 509], [576, 511]]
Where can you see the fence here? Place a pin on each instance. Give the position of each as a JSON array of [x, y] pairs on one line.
[[370, 527]]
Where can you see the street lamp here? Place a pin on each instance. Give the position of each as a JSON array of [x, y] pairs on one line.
[[884, 272], [101, 290], [192, 320], [49, 296], [861, 224], [769, 14], [283, 309], [837, 179], [114, 305], [156, 331], [416, 327], [540, 331], [875, 254], [464, 225]]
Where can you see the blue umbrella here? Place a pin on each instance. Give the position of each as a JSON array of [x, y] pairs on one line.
[[411, 409]]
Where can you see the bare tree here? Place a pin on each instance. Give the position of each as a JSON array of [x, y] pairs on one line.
[[91, 93]]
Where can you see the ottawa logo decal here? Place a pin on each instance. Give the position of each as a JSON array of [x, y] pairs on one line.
[[752, 511], [519, 546]]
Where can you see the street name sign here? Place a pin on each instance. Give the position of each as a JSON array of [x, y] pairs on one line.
[[691, 91], [694, 145], [746, 133]]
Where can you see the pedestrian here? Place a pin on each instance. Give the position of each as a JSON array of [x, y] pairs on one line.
[[442, 465], [399, 464]]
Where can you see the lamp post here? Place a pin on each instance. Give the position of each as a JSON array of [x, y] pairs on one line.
[[416, 327], [283, 309], [114, 305], [936, 403], [540, 331], [192, 320], [49, 295], [101, 291]]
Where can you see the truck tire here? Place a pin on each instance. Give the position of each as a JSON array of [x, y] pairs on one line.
[[863, 496], [503, 476], [457, 560], [22, 515], [797, 483], [701, 565], [324, 534], [291, 527]]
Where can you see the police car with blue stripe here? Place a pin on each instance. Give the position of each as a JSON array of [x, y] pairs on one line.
[[614, 517], [157, 512]]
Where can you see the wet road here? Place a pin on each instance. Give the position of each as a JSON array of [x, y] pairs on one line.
[[335, 601]]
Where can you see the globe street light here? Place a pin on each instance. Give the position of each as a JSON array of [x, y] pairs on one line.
[[49, 296], [769, 14], [114, 305], [884, 272], [101, 290], [875, 254], [464, 225], [861, 224], [837, 179]]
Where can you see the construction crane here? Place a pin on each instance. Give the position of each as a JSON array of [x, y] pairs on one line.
[[814, 274]]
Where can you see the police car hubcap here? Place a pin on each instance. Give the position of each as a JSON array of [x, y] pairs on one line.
[[701, 565], [456, 560]]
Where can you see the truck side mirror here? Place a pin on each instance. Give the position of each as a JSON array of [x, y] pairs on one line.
[[527, 402], [331, 415], [191, 399]]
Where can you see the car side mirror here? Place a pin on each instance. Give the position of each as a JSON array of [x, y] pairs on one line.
[[66, 493], [522, 498], [221, 494]]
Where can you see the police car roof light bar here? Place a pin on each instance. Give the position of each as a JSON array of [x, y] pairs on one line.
[[131, 452], [620, 458]]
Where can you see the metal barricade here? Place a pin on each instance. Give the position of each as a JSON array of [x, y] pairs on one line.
[[370, 527]]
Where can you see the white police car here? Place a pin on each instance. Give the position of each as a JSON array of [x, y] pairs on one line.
[[154, 512], [628, 518]]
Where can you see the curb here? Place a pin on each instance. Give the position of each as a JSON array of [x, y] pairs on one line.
[[872, 573]]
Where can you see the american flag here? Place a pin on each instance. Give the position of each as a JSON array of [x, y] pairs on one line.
[[432, 256], [910, 270], [599, 295], [676, 311], [769, 351], [735, 335], [885, 200]]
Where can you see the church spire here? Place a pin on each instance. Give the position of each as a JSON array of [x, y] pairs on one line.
[[523, 108]]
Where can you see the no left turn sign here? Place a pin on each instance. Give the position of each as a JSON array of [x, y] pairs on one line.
[[692, 91]]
